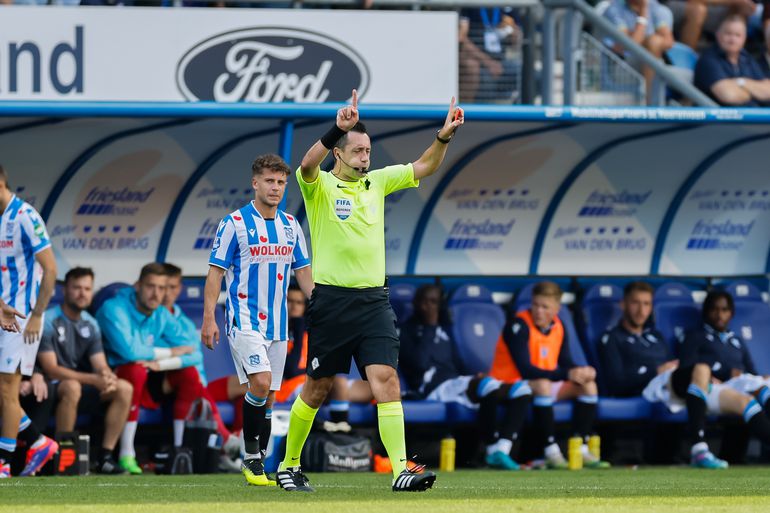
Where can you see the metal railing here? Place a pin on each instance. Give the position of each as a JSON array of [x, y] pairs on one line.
[[603, 78], [575, 7]]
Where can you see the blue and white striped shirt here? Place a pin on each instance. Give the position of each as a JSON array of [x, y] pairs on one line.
[[258, 254], [22, 236]]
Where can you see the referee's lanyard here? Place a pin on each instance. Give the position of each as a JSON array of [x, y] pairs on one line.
[[491, 37]]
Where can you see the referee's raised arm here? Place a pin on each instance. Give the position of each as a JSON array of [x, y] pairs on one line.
[[347, 117], [431, 159]]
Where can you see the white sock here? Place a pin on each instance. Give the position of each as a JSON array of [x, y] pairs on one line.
[[502, 445], [699, 447], [127, 439], [552, 450], [178, 432]]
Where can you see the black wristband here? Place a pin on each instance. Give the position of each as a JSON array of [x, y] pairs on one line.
[[331, 137], [444, 141]]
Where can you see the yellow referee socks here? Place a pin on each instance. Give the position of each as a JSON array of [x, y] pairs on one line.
[[390, 418], [300, 422]]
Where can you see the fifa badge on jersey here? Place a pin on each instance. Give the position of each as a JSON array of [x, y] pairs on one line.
[[254, 359], [343, 207], [289, 231]]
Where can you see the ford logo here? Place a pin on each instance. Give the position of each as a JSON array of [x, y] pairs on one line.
[[271, 64]]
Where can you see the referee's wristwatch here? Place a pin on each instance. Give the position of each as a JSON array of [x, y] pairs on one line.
[[441, 139]]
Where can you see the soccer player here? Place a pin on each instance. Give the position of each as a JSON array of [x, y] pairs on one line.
[[25, 255], [720, 356], [256, 247], [350, 314], [231, 444], [71, 352], [431, 366], [534, 347], [636, 360], [148, 349]]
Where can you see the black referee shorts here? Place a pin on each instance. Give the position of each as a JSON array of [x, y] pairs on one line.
[[345, 323]]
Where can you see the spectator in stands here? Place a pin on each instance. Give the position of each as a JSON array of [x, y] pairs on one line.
[[649, 24], [635, 359], [149, 350], [764, 59], [431, 366], [534, 347], [231, 445], [727, 73], [71, 354], [486, 73], [702, 15]]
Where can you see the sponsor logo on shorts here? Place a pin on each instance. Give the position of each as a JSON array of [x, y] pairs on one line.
[[254, 359], [314, 363]]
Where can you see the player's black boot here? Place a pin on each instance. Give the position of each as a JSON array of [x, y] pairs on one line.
[[293, 480], [412, 480]]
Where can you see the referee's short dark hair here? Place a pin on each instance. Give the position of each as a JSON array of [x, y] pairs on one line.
[[172, 271], [78, 272], [3, 175], [358, 127], [152, 269], [269, 161]]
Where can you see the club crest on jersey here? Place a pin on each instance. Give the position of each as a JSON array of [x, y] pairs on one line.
[[9, 226], [289, 231], [343, 208]]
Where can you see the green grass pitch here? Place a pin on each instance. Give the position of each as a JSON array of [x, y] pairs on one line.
[[670, 490]]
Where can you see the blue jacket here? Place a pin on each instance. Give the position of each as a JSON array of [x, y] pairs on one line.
[[130, 336]]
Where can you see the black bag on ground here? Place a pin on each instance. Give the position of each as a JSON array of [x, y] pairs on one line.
[[200, 435], [174, 460], [336, 452]]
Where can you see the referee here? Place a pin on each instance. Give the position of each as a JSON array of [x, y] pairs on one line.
[[349, 313]]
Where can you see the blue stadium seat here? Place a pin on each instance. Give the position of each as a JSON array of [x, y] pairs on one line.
[[675, 311], [219, 362], [682, 56], [600, 311], [752, 322], [192, 290], [105, 293], [477, 328], [401, 297], [58, 295], [471, 293]]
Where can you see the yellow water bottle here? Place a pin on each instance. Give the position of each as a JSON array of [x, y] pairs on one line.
[[447, 457], [595, 446], [575, 453]]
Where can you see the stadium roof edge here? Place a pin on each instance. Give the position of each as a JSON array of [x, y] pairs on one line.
[[74, 109]]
